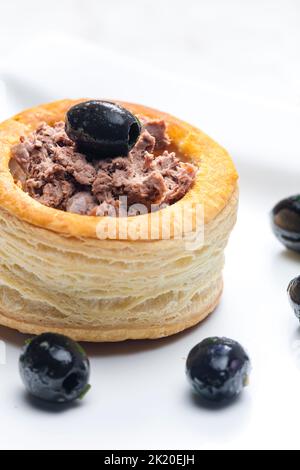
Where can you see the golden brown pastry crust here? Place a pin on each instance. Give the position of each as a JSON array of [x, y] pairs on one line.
[[98, 335], [216, 181], [55, 275]]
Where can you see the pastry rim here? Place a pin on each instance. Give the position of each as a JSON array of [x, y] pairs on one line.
[[215, 183]]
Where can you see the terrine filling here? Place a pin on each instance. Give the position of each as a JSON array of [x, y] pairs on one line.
[[52, 171]]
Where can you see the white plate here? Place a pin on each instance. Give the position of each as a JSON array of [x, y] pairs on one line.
[[140, 397]]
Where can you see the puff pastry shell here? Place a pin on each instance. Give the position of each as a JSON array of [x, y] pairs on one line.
[[57, 275]]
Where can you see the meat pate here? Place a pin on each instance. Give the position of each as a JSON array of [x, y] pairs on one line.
[[52, 171]]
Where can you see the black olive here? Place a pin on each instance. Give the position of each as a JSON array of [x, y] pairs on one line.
[[102, 129], [294, 295], [218, 369], [54, 368], [285, 219]]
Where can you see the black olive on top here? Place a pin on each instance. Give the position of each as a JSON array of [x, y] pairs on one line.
[[102, 129], [285, 219], [294, 295], [54, 368], [218, 369]]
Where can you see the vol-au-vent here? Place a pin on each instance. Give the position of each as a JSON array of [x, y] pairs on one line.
[[69, 166]]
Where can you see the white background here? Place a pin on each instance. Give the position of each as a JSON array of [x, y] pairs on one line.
[[249, 46], [233, 69]]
